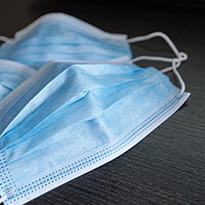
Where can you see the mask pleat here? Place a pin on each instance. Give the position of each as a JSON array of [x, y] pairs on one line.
[[87, 108], [60, 38], [51, 98]]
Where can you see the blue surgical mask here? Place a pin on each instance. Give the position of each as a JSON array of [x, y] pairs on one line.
[[66, 120], [12, 74], [63, 37], [60, 36]]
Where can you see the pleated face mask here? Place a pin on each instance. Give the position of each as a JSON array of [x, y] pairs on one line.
[[63, 37], [66, 120], [60, 36], [12, 74]]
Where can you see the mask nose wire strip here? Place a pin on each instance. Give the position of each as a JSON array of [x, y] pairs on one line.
[[176, 62], [4, 38]]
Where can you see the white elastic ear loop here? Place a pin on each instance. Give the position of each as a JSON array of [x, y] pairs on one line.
[[183, 57], [4, 38], [175, 65], [153, 35], [176, 62]]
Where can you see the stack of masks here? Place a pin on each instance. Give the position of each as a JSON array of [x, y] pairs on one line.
[[71, 100]]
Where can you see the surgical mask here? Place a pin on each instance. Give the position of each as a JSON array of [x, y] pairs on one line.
[[60, 36], [66, 120], [12, 74]]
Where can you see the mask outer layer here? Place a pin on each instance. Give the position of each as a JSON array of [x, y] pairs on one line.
[[59, 125], [63, 37]]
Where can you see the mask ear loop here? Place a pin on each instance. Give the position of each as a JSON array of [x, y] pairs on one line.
[[4, 39], [176, 62]]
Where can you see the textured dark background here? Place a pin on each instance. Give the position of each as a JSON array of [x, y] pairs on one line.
[[168, 166]]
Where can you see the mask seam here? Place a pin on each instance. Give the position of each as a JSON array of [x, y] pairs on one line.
[[98, 156], [7, 185]]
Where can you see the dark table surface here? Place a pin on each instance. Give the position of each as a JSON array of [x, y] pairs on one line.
[[168, 166]]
